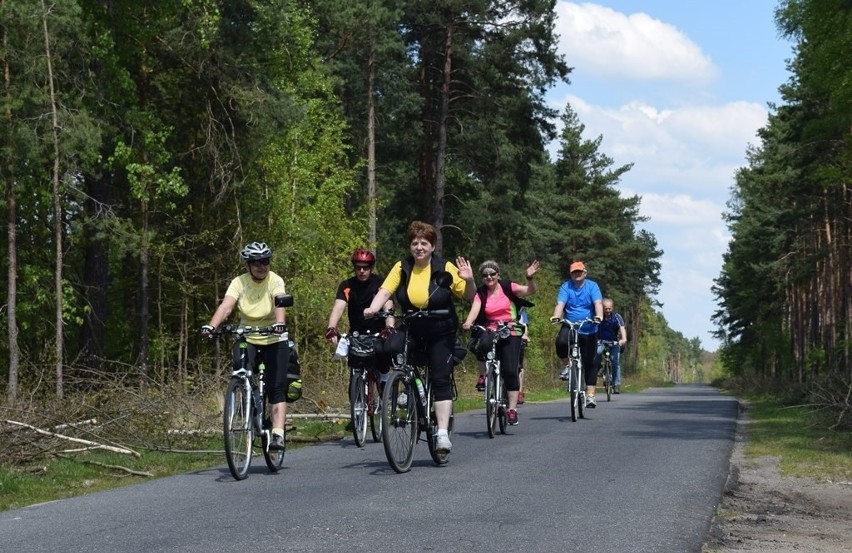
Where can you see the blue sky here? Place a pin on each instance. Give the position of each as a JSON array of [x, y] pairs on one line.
[[679, 89]]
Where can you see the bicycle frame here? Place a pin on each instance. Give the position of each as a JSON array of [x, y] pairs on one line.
[[363, 388], [496, 395], [409, 406], [576, 379], [244, 415], [606, 367]]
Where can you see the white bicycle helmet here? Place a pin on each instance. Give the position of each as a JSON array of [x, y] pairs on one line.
[[256, 250]]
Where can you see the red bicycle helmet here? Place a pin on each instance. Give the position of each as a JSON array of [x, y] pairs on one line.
[[364, 256]]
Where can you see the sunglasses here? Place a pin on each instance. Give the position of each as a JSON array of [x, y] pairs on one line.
[[489, 275], [259, 262], [362, 267]]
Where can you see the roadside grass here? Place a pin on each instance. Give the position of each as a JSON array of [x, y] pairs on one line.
[[53, 477], [799, 437]]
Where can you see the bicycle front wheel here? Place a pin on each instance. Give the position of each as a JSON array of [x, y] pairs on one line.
[[358, 407], [399, 421], [491, 400], [581, 391], [237, 428], [608, 379], [573, 390], [375, 400]]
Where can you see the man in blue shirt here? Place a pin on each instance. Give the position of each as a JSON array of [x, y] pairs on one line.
[[579, 298], [612, 329]]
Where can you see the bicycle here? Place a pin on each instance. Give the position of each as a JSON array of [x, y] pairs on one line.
[[408, 403], [496, 394], [244, 415], [606, 367], [364, 397], [576, 379]]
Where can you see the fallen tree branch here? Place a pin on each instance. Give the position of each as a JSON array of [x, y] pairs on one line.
[[104, 465], [122, 450]]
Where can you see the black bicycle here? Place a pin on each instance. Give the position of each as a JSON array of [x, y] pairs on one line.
[[605, 372], [496, 394], [364, 399], [408, 404]]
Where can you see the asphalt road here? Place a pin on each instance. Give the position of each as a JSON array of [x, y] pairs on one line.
[[642, 473]]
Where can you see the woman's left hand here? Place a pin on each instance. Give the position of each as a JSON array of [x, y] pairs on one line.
[[465, 271], [533, 269]]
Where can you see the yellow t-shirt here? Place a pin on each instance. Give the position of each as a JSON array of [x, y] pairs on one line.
[[256, 302], [418, 283]]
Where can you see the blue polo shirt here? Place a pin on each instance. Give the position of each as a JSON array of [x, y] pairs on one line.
[[580, 302]]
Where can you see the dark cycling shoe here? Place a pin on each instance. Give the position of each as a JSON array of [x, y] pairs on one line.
[[512, 417], [617, 389], [277, 442], [351, 426], [480, 383]]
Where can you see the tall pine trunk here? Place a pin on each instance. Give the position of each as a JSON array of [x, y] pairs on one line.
[[57, 212]]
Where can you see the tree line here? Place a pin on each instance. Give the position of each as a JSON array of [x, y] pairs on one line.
[[145, 142], [785, 292]]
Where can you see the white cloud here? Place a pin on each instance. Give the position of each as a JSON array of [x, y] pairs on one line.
[[604, 42], [679, 209], [696, 149]]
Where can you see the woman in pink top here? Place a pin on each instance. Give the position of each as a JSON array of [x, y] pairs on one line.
[[501, 300]]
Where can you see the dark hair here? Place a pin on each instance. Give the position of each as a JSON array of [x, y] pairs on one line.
[[419, 229]]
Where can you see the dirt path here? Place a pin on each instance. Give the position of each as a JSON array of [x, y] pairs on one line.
[[763, 511]]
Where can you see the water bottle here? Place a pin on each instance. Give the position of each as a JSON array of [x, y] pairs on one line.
[[420, 390]]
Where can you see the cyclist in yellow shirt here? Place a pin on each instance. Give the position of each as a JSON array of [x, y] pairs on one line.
[[253, 293]]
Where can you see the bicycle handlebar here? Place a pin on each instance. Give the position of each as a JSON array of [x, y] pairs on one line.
[[503, 330], [573, 324], [244, 331]]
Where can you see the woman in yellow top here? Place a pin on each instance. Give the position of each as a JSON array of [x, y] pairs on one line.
[[413, 282], [253, 293]]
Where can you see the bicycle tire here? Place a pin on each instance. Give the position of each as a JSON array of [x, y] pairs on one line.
[[237, 428], [274, 457], [575, 379], [608, 378], [491, 406], [432, 432], [375, 400], [502, 405], [399, 422], [581, 391], [358, 407]]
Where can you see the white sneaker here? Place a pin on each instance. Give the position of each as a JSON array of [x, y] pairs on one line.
[[590, 402], [402, 399], [443, 444], [566, 372]]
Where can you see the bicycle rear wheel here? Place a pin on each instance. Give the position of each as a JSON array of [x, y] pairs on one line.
[[358, 407], [432, 432], [274, 457], [491, 406], [502, 404], [237, 428], [375, 401], [399, 421]]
